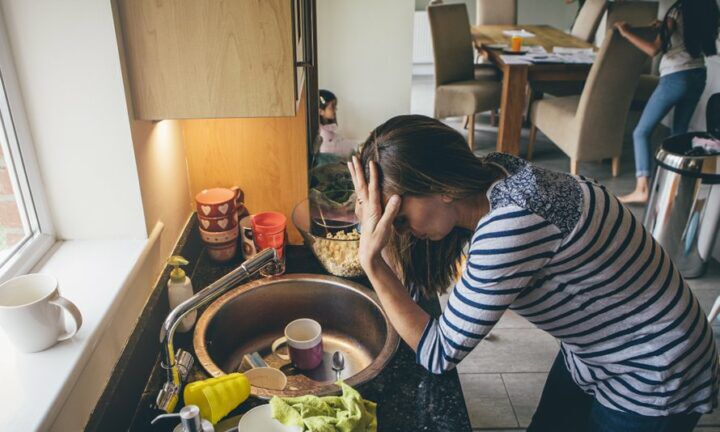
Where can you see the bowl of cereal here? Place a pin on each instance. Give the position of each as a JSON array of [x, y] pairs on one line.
[[332, 232]]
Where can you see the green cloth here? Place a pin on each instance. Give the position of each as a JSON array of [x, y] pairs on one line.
[[346, 413]]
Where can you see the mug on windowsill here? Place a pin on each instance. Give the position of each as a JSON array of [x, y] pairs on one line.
[[31, 312]]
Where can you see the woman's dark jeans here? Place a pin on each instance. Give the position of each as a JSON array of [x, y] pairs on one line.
[[564, 407]]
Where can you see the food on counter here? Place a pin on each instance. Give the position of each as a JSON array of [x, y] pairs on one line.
[[338, 253], [349, 412]]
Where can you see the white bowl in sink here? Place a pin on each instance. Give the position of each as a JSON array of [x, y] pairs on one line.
[[260, 419]]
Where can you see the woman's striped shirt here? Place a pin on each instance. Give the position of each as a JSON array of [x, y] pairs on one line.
[[565, 254]]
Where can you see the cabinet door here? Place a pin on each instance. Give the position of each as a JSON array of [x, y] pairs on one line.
[[209, 58]]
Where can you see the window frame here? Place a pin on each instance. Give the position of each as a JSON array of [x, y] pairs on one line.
[[23, 169]]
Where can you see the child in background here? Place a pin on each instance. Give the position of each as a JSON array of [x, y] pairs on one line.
[[685, 37], [332, 142]]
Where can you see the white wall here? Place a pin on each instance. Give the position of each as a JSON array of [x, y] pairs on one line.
[[67, 62], [365, 58], [551, 12], [711, 86]]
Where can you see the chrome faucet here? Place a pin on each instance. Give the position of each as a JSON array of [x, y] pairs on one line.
[[168, 396]]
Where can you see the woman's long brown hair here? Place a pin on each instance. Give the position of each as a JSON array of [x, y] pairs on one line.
[[419, 155]]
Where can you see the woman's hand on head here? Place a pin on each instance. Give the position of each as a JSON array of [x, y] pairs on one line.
[[376, 223]]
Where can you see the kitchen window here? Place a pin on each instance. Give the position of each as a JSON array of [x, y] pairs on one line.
[[25, 228]]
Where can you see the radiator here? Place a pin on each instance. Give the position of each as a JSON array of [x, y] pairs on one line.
[[422, 42]]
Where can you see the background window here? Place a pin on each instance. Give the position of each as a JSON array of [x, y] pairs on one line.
[[25, 228]]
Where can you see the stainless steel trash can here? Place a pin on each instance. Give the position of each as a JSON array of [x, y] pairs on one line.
[[684, 207]]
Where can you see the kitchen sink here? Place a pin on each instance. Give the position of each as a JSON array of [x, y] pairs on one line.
[[250, 317]]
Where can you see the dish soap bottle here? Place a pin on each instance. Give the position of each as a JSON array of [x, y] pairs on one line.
[[179, 290]]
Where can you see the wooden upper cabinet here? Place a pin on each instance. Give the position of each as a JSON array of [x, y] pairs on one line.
[[210, 58]]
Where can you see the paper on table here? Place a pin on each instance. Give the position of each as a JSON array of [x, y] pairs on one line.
[[569, 50], [536, 49], [578, 58], [515, 59], [522, 33], [538, 58], [545, 58], [526, 58]]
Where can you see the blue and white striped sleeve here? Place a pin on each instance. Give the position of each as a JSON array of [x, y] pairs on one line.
[[508, 248]]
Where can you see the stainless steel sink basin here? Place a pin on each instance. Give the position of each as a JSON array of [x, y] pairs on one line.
[[250, 317]]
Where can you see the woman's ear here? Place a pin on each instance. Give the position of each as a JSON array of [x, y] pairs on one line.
[[446, 199]]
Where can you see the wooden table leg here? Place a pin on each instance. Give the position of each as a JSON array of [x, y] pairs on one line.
[[512, 106]]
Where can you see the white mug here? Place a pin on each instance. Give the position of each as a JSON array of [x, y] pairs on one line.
[[247, 241], [31, 312]]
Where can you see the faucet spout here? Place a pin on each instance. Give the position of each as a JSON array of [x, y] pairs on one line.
[[168, 396]]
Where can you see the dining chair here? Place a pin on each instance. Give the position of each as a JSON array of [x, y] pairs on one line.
[[585, 26], [495, 12], [590, 126], [489, 12], [638, 14], [588, 20], [457, 92]]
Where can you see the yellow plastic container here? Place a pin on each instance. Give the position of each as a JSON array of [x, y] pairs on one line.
[[216, 397]]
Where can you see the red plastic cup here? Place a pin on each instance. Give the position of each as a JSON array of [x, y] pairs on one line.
[[269, 231]]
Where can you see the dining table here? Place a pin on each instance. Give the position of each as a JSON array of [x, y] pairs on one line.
[[488, 40]]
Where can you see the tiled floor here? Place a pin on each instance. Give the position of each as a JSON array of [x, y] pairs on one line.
[[503, 378]]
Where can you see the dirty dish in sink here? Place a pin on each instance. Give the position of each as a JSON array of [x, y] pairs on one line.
[[267, 377], [260, 419]]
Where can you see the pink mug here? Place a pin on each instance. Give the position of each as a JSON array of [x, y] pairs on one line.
[[218, 202], [304, 340], [222, 252], [219, 224]]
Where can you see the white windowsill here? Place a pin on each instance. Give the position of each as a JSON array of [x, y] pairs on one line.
[[92, 274]]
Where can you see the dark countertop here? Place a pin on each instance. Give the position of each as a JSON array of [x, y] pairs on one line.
[[409, 397]]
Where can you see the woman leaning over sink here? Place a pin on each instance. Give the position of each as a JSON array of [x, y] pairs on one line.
[[637, 353]]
